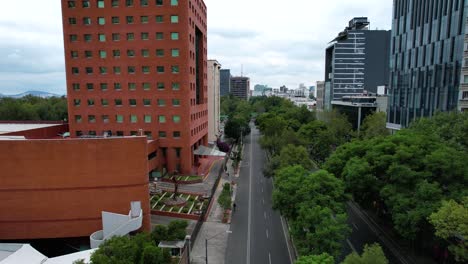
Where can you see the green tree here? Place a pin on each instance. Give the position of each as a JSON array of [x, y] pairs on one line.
[[451, 221], [323, 258], [295, 155], [374, 125], [120, 250], [372, 255]]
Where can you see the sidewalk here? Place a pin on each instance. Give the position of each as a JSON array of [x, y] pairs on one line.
[[213, 228]]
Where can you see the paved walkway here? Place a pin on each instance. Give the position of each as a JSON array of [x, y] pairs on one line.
[[213, 229]]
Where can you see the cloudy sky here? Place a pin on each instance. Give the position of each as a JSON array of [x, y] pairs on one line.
[[277, 42]]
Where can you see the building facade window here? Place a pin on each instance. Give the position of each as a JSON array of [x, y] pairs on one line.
[[78, 119], [76, 86], [102, 54], [144, 35], [159, 19], [90, 102], [117, 86], [118, 102], [74, 54], [175, 69], [174, 2], [159, 35], [161, 102], [116, 53], [102, 37], [133, 119], [174, 35], [147, 119], [130, 53], [130, 36], [145, 53], [162, 134], [176, 102], [175, 52], [132, 102], [144, 19], [131, 69], [146, 86], [119, 118], [147, 102], [104, 102], [176, 134], [143, 2], [145, 69], [159, 2], [132, 86], [86, 4], [128, 3], [90, 86], [160, 69], [116, 69], [175, 86], [103, 86], [160, 85], [101, 20], [129, 19], [88, 54], [73, 38], [115, 20], [174, 19], [115, 3], [159, 53], [176, 118], [87, 37], [92, 119], [162, 119], [100, 3], [87, 20]]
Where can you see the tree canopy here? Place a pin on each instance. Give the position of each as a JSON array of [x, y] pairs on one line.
[[32, 108]]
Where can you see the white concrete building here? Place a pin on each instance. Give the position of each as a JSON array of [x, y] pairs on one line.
[[214, 99]]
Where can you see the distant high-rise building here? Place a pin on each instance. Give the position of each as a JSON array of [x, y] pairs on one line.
[[240, 87], [225, 75], [320, 95], [426, 59], [139, 67], [213, 99], [357, 61]]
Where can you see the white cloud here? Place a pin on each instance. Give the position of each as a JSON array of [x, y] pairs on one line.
[[277, 42]]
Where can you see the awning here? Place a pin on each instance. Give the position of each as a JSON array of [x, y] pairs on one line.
[[206, 151]]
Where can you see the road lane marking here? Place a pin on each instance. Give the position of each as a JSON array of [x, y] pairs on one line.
[[269, 257], [350, 245], [355, 226], [267, 233], [263, 201], [250, 205], [264, 214]]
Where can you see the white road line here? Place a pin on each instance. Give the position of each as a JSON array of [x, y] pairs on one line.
[[350, 245], [266, 231], [269, 257], [264, 214], [250, 205], [263, 201], [286, 240], [262, 189], [355, 226]]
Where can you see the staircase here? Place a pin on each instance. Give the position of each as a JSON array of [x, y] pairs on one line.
[[118, 224]]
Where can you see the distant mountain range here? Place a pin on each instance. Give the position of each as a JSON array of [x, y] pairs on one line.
[[33, 93]]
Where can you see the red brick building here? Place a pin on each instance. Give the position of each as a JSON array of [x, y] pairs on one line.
[[139, 66]]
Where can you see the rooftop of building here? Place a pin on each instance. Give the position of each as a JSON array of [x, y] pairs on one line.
[[12, 127]]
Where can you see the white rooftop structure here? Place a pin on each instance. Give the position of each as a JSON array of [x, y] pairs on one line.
[[24, 253], [11, 127]]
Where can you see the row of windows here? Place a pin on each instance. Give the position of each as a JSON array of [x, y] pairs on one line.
[[130, 70], [116, 3], [149, 134], [116, 20], [132, 118], [131, 102], [116, 36], [130, 53], [131, 86]]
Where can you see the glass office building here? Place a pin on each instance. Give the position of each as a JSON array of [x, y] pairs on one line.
[[426, 58]]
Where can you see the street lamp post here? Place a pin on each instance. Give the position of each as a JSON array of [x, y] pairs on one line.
[[206, 243]]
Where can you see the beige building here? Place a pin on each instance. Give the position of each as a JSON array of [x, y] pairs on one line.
[[213, 99]]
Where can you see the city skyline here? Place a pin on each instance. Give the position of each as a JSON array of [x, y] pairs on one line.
[[32, 48]]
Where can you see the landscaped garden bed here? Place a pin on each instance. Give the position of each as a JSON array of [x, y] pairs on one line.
[[193, 206]]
